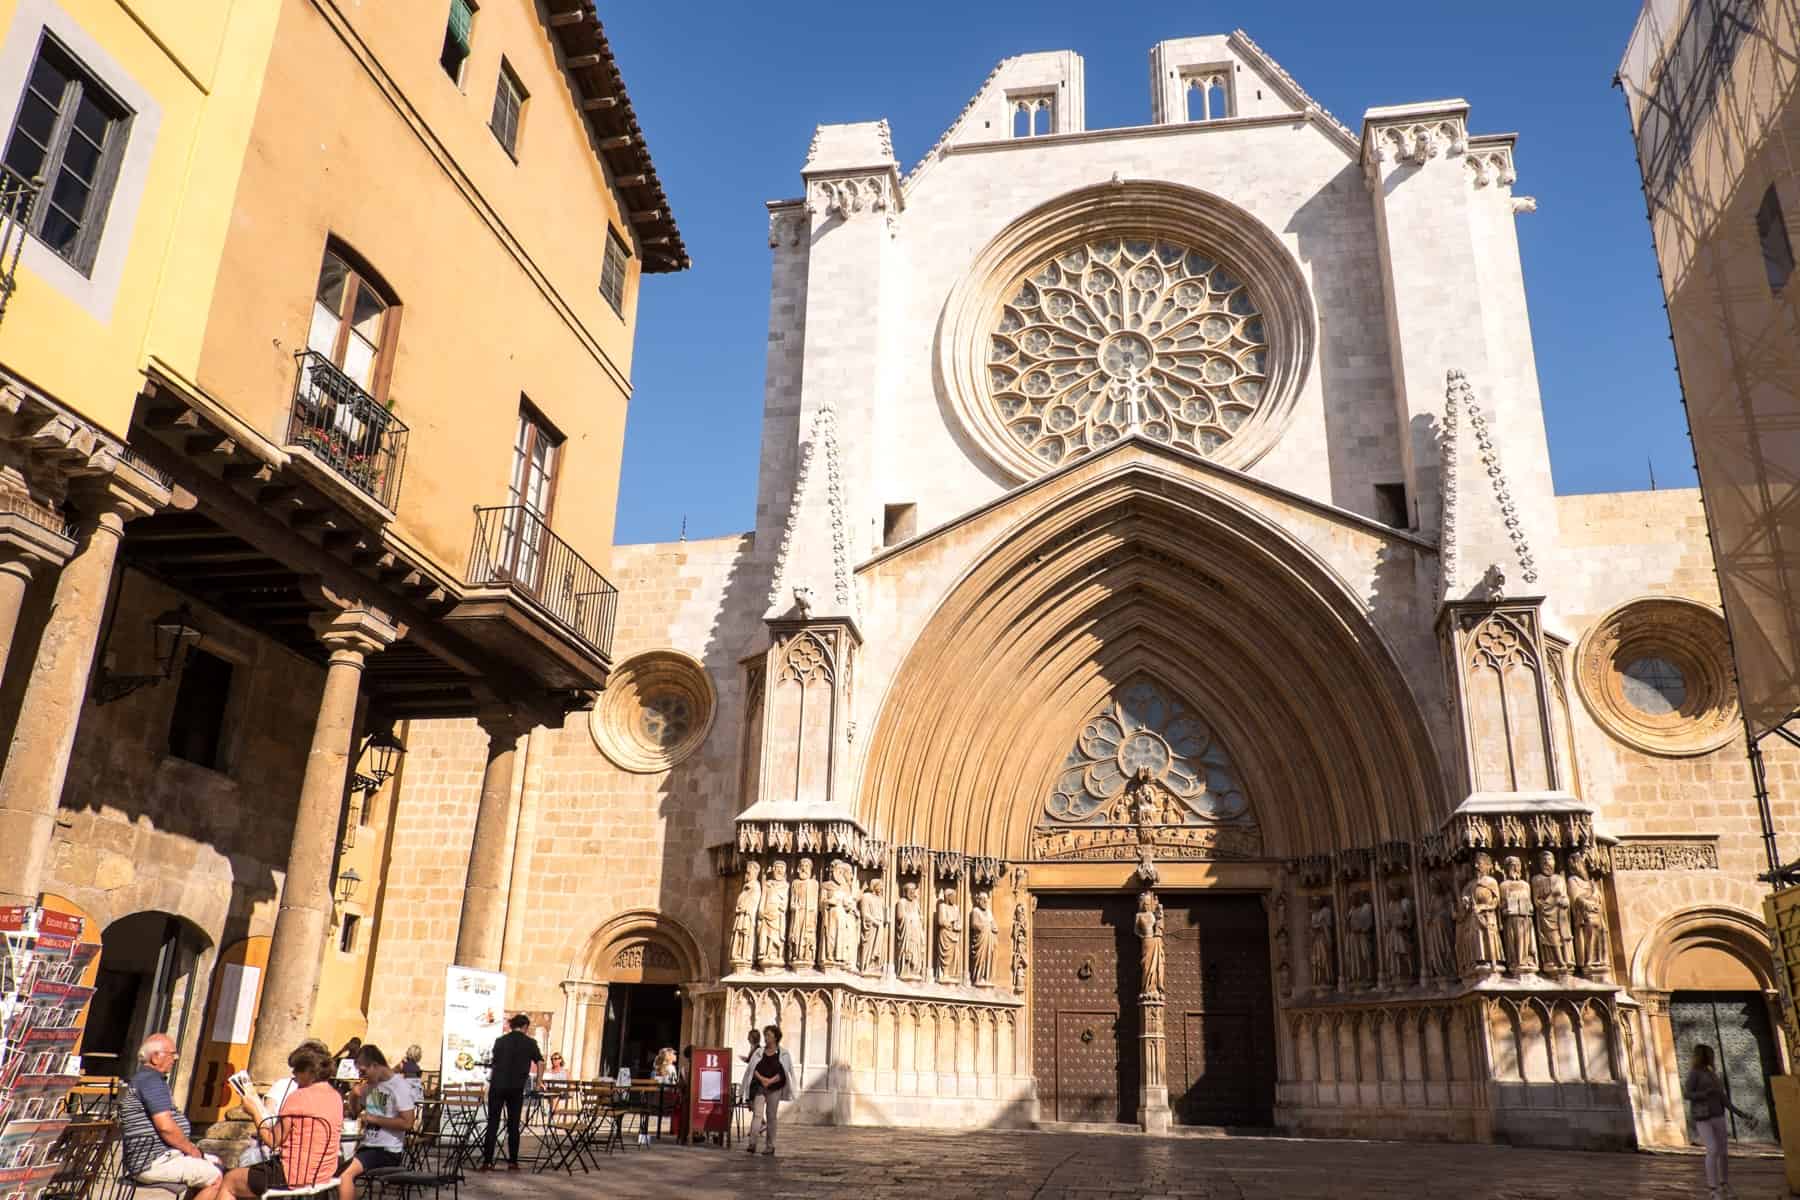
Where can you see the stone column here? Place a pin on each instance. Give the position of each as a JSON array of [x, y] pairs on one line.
[[514, 943], [482, 928], [37, 761], [16, 568], [1153, 1092], [292, 976]]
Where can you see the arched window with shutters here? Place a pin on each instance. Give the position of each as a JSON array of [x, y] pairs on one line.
[[354, 320], [342, 412]]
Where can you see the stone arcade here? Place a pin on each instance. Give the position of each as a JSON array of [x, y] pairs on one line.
[[1162, 685]]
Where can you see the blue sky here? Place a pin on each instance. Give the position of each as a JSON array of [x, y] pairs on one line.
[[728, 95]]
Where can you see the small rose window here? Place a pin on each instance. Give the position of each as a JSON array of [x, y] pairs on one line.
[[655, 712]]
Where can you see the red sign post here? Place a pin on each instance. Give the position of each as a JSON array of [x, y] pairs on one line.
[[709, 1093]]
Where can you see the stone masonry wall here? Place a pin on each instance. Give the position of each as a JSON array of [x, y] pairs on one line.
[[603, 841]]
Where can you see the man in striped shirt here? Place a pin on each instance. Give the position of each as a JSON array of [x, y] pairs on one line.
[[159, 1146]]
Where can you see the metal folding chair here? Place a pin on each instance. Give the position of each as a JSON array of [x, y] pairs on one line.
[[305, 1154], [84, 1150], [123, 1185]]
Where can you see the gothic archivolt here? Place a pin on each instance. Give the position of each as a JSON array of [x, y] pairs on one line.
[[1128, 305], [1114, 581], [1655, 673], [656, 710]]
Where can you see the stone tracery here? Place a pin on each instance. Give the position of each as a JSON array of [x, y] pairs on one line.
[[1143, 731], [1121, 334]]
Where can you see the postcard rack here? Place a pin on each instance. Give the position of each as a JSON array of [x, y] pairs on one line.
[[42, 1001]]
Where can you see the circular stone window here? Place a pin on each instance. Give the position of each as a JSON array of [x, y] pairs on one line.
[[1656, 674], [1121, 333], [656, 711], [1127, 308]]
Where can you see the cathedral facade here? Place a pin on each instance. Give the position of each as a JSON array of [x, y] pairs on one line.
[[1162, 686]]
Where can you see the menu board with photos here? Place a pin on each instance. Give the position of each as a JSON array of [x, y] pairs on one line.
[[474, 1016], [41, 1005]]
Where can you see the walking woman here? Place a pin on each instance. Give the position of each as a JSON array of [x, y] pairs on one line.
[[771, 1082], [1705, 1092]]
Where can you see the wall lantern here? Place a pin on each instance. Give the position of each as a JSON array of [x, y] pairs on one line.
[[378, 760], [347, 883], [171, 634]]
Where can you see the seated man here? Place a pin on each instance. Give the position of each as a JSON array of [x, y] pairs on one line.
[[384, 1101], [159, 1147]]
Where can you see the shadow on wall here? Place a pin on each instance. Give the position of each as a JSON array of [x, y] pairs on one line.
[[699, 798], [159, 822], [1361, 441]]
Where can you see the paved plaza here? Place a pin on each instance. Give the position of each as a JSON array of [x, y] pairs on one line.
[[877, 1164]]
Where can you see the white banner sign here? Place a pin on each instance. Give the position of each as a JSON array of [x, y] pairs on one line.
[[474, 1015]]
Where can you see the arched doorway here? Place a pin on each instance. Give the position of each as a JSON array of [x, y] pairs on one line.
[[1156, 597], [1712, 965], [629, 995], [149, 981]]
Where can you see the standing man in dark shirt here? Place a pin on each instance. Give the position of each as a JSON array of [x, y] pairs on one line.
[[516, 1059]]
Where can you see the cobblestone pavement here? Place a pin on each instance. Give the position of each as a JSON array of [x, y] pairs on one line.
[[881, 1164]]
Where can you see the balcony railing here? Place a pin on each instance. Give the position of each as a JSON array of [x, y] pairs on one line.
[[515, 548], [346, 428], [17, 198]]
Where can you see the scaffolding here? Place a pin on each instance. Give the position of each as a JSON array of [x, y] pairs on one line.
[[1713, 92]]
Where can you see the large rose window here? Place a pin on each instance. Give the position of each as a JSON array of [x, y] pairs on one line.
[[1116, 334]]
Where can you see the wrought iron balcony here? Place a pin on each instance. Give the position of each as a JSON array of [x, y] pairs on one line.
[[514, 548], [346, 428], [17, 198]]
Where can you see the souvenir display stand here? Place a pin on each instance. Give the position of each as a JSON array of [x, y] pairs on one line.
[[42, 960]]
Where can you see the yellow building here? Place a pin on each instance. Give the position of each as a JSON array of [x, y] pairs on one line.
[[314, 364]]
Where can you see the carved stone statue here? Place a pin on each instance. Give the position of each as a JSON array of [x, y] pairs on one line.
[[771, 919], [874, 929], [1359, 945], [1515, 913], [1402, 922], [830, 931], [1516, 918], [984, 940], [1587, 913], [949, 934], [743, 918], [1149, 926], [1323, 951], [803, 918], [846, 913], [909, 934], [1019, 959], [1477, 920], [1440, 931], [1556, 941]]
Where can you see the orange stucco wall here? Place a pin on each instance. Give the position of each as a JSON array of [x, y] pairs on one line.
[[360, 135]]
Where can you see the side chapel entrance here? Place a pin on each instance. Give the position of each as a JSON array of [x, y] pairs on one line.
[[1219, 1020]]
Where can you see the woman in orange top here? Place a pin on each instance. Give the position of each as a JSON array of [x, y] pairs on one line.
[[308, 1151]]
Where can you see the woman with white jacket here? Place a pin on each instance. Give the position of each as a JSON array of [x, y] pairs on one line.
[[771, 1082]]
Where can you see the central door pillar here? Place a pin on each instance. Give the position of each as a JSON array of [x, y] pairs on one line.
[[1153, 1085]]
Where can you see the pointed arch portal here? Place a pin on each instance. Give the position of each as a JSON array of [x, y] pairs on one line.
[[1143, 574]]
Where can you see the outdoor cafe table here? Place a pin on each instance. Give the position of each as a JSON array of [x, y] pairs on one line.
[[647, 1097]]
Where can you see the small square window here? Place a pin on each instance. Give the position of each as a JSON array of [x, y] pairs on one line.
[[1390, 505], [70, 133], [898, 523], [347, 932], [197, 728], [509, 109], [459, 38], [612, 272], [1771, 231]]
